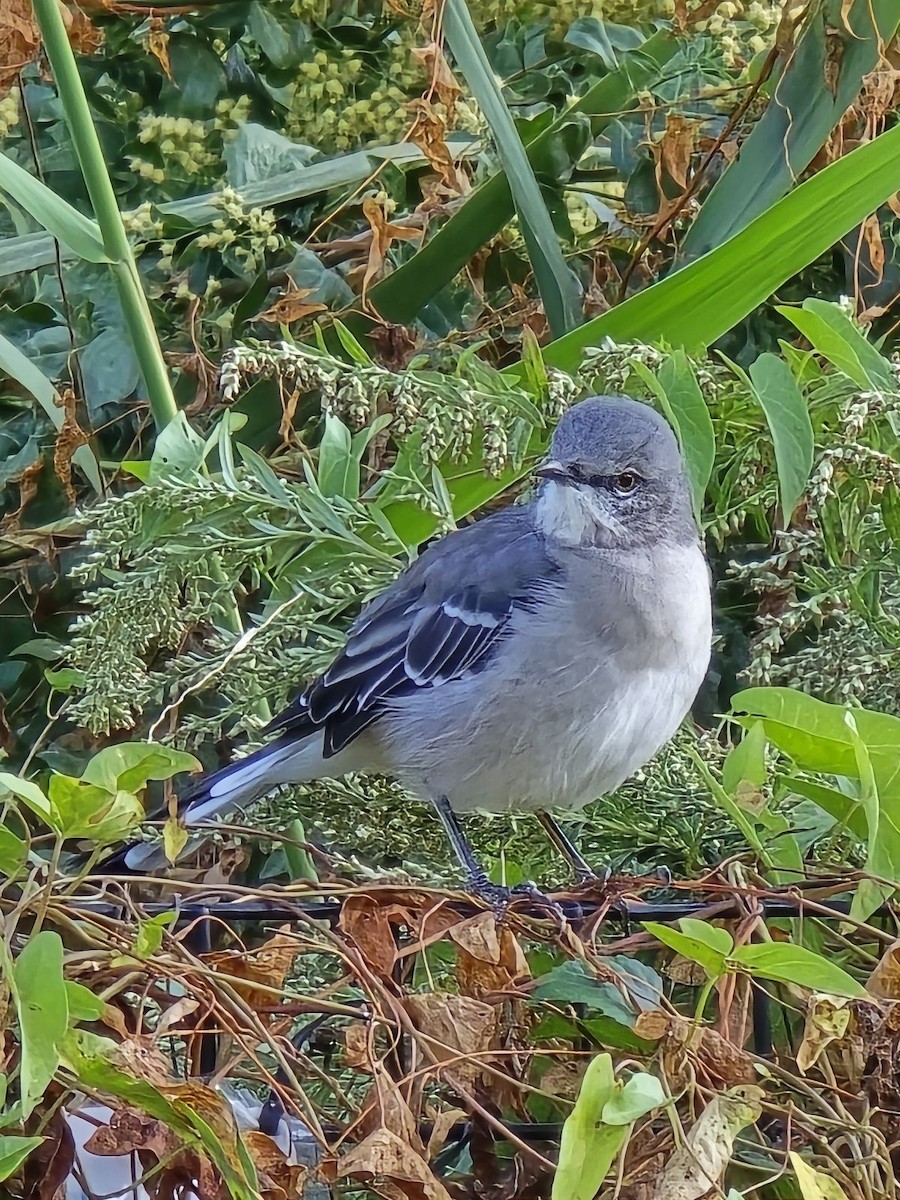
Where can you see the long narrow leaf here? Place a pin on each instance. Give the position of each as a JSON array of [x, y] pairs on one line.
[[807, 104], [78, 232], [695, 306], [558, 286], [19, 367]]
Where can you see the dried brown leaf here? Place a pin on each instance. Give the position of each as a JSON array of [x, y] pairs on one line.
[[158, 44], [871, 236], [367, 924], [278, 1178], [697, 1166], [430, 133], [459, 1025], [442, 1123], [676, 147], [489, 958], [356, 1046], [563, 1078], [384, 234], [20, 39], [267, 965], [443, 81], [384, 1155], [292, 306]]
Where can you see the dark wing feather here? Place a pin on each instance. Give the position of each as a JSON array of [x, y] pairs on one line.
[[442, 618]]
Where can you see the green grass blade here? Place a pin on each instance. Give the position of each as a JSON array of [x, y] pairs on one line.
[[19, 367], [402, 295], [804, 109], [558, 286], [694, 306], [78, 232]]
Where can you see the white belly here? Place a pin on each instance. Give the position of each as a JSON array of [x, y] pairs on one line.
[[571, 705]]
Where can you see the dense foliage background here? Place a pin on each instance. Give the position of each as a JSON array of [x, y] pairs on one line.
[[382, 248]]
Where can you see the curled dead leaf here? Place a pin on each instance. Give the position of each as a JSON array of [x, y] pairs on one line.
[[384, 234], [356, 1046], [384, 1155], [884, 982], [458, 1025], [367, 924], [292, 306], [268, 965], [827, 1021]]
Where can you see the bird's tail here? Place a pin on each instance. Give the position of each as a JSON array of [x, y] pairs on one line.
[[232, 788]]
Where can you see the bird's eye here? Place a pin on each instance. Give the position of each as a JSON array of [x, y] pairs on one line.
[[626, 482]]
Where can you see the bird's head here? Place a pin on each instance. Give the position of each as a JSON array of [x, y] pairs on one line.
[[614, 476]]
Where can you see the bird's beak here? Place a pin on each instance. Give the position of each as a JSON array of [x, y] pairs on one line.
[[551, 469]]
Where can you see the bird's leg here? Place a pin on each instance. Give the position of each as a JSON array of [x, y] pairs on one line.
[[584, 872], [494, 893], [475, 872]]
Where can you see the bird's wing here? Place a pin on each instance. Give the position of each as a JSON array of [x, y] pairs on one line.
[[439, 621]]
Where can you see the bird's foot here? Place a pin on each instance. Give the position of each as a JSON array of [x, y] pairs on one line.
[[500, 898]]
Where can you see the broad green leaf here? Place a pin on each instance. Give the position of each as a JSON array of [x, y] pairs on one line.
[[83, 810], [80, 233], [701, 943], [799, 116], [883, 832], [42, 1007], [150, 934], [19, 366], [27, 791], [83, 1004], [815, 1185], [33, 250], [13, 853], [784, 962], [571, 983], [837, 338], [129, 766], [178, 452], [746, 762], [13, 1152], [640, 1095], [815, 734], [787, 416], [402, 295], [689, 413], [558, 286], [336, 467], [695, 306], [587, 1147]]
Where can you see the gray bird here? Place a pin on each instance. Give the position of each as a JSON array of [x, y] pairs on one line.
[[531, 661]]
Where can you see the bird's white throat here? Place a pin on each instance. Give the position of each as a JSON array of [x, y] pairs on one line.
[[574, 516]]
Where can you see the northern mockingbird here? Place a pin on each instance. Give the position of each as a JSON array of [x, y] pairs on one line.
[[528, 662]]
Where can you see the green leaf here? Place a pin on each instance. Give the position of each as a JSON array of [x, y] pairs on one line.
[[588, 1147], [746, 762], [558, 286], [784, 962], [83, 1004], [13, 852], [688, 412], [81, 810], [571, 983], [27, 791], [129, 766], [150, 934], [178, 452], [787, 416], [19, 367], [56, 215], [640, 1095], [808, 102], [833, 335], [14, 1151], [42, 1006], [701, 943], [815, 1185], [695, 306]]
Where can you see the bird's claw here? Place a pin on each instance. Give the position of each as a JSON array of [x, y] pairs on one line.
[[500, 897]]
